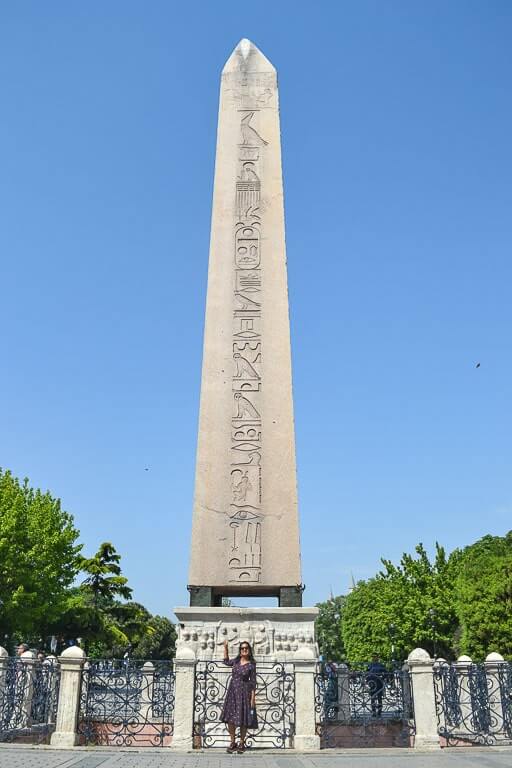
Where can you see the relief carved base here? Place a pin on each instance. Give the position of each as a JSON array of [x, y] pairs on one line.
[[275, 634]]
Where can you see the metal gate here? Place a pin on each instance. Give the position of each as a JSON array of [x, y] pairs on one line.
[[275, 705], [29, 691], [356, 708], [474, 703], [127, 703]]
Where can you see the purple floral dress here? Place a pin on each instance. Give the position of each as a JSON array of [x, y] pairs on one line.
[[237, 704]]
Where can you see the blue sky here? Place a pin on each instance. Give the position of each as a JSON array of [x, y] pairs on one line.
[[396, 119]]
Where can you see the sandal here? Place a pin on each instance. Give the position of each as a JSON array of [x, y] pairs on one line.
[[232, 748]]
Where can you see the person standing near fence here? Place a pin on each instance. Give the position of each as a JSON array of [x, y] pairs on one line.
[[239, 708], [21, 649], [375, 678]]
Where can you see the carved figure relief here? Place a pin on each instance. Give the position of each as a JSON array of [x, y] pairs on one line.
[[251, 137], [241, 485], [244, 408], [248, 173], [268, 639]]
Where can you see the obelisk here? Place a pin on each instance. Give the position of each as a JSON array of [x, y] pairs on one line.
[[245, 534]]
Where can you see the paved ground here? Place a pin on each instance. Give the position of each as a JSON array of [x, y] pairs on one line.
[[13, 756]]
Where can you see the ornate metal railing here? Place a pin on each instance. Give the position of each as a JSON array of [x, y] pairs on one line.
[[474, 702], [127, 703], [365, 701], [275, 705], [29, 692]]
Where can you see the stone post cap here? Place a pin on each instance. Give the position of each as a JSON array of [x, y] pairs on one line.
[[419, 656], [28, 655], [3, 652], [464, 659], [73, 652], [494, 658], [185, 654]]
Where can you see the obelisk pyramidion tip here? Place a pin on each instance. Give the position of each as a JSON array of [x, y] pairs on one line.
[[248, 57]]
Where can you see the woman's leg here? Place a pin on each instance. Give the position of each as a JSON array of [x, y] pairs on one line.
[[243, 731], [232, 735]]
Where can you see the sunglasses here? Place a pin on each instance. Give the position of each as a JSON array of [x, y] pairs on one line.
[[244, 647]]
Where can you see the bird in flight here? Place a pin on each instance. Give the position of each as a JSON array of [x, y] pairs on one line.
[[477, 365]]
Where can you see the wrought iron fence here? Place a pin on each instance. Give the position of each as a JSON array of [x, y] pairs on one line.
[[127, 703], [29, 692], [275, 705], [474, 703], [358, 704]]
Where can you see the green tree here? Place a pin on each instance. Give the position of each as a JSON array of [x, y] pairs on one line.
[[38, 557], [104, 578], [90, 609], [131, 627], [407, 605], [328, 629], [158, 644], [367, 616], [484, 597]]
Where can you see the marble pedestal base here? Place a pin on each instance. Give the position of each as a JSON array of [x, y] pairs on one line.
[[278, 636]]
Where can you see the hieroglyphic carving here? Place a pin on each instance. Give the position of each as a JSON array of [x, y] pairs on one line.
[[254, 91], [246, 514]]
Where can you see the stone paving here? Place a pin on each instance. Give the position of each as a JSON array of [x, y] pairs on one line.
[[12, 756]]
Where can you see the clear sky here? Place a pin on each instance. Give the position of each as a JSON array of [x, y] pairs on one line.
[[396, 118]]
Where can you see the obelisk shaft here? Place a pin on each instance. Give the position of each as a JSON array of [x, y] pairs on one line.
[[245, 535]]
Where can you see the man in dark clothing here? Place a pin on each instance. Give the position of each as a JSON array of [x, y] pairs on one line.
[[375, 679]]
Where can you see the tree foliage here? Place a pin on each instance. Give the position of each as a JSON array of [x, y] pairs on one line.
[[38, 556], [39, 560], [484, 597], [104, 578], [328, 629], [405, 606], [130, 628]]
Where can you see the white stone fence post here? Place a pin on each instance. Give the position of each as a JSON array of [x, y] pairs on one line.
[[71, 665], [184, 668], [4, 660], [306, 738], [422, 684], [28, 659]]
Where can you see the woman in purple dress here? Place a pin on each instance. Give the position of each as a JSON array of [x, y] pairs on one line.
[[239, 708]]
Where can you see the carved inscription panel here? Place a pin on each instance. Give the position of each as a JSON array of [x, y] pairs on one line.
[[245, 517]]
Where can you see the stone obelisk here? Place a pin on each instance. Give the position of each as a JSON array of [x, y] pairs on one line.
[[245, 536]]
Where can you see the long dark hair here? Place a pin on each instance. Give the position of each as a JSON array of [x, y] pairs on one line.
[[251, 657]]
